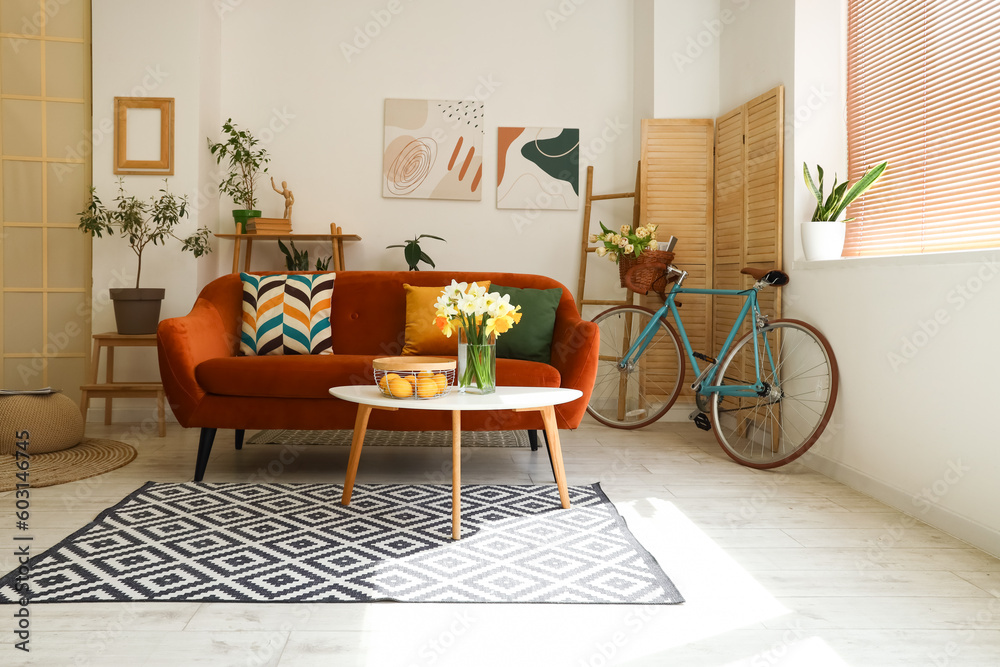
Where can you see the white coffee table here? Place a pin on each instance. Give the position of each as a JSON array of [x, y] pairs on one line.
[[518, 399]]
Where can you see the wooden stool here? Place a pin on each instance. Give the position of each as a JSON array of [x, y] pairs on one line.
[[111, 389]]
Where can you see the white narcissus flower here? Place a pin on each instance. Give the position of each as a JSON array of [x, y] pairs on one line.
[[445, 307], [453, 290], [466, 304]]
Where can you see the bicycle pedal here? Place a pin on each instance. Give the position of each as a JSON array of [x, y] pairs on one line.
[[702, 422], [704, 357]]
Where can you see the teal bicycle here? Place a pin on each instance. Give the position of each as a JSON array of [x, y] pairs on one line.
[[767, 395]]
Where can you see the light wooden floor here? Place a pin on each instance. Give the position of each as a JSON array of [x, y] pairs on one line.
[[786, 568]]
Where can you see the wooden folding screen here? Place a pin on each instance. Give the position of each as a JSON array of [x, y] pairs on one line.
[[749, 167], [676, 194]]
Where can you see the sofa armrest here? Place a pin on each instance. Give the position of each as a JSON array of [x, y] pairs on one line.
[[182, 344], [575, 343]]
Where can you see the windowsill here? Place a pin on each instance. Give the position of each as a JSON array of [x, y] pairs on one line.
[[953, 258]]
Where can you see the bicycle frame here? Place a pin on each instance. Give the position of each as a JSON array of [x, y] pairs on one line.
[[750, 307]]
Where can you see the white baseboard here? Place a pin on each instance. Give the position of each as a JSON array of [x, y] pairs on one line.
[[956, 525]]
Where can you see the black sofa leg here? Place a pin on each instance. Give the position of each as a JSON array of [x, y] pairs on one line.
[[533, 439], [239, 438], [205, 441]]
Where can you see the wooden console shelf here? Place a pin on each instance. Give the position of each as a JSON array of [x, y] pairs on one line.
[[336, 237]]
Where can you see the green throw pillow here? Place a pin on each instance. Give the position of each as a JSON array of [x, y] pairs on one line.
[[531, 338]]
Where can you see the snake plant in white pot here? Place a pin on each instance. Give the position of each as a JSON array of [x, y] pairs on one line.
[[823, 236]]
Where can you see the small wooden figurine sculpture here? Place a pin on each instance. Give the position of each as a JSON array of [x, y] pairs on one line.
[[287, 194]]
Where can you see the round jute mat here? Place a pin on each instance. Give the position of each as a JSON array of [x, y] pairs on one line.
[[91, 457]]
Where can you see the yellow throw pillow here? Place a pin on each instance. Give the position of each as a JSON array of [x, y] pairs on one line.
[[421, 336]]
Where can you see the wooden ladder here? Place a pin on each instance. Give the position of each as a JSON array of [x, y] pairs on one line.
[[586, 248]]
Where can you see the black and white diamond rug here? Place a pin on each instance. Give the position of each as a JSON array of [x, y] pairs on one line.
[[202, 542]]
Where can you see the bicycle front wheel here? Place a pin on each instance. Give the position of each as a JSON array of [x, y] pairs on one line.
[[800, 378], [638, 393]]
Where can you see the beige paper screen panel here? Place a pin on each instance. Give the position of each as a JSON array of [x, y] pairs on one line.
[[44, 176], [676, 183]]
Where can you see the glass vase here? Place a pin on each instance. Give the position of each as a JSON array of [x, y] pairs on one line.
[[477, 365]]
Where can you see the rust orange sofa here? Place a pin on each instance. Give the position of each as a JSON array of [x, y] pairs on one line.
[[210, 387]]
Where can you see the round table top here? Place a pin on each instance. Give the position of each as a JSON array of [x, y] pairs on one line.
[[505, 398]]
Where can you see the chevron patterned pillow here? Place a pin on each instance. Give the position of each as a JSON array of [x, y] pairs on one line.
[[286, 314]]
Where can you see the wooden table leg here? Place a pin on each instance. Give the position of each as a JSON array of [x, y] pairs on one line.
[[360, 426], [236, 254], [552, 431], [456, 474], [246, 260], [109, 380]]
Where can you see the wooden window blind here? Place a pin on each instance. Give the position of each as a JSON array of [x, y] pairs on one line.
[[923, 91]]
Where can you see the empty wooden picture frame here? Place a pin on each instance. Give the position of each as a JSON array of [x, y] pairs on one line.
[[144, 135]]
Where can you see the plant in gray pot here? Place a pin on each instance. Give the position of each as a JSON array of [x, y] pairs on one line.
[[823, 236], [246, 164], [141, 222]]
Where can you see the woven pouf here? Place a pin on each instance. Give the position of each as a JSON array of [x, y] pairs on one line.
[[53, 422]]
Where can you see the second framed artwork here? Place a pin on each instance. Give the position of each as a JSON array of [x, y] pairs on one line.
[[538, 168]]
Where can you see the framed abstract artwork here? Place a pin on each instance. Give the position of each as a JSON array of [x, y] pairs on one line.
[[538, 168], [433, 149]]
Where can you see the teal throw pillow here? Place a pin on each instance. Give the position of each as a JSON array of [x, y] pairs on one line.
[[531, 338]]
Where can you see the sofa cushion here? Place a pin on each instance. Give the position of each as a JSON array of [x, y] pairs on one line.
[[421, 336], [286, 314], [312, 376], [531, 338]]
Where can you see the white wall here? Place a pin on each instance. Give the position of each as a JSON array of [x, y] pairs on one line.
[[686, 57], [913, 422], [146, 48], [533, 64]]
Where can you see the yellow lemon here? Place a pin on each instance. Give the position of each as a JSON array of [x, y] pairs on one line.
[[400, 388], [412, 380], [427, 387], [425, 374], [383, 384], [442, 382]]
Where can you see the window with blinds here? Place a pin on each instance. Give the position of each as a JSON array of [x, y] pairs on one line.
[[923, 92]]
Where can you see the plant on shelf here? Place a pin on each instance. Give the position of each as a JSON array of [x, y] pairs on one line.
[[625, 241], [141, 222], [298, 260], [478, 317], [412, 252], [246, 162], [823, 235]]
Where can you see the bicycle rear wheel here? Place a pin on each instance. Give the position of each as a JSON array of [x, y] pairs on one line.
[[800, 375], [639, 393]]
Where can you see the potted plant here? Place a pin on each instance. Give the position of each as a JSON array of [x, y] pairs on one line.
[[823, 236], [246, 164], [412, 252], [140, 222], [298, 260]]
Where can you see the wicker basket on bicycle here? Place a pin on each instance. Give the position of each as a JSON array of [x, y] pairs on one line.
[[645, 272]]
